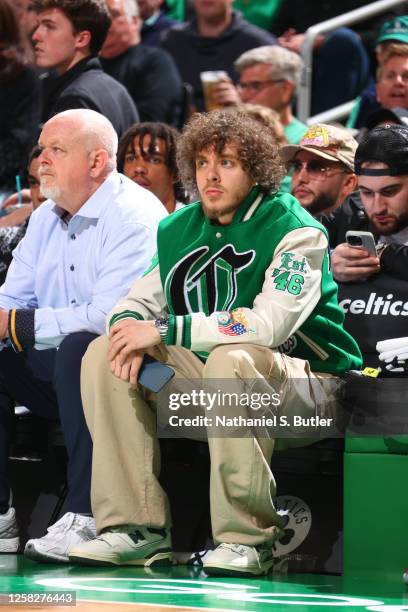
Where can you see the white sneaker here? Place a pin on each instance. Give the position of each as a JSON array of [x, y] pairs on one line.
[[71, 530], [238, 559], [143, 546], [9, 540]]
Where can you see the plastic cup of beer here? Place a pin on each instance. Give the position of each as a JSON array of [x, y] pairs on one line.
[[209, 79]]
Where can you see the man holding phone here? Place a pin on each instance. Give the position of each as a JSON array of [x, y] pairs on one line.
[[381, 165], [372, 288], [240, 281]]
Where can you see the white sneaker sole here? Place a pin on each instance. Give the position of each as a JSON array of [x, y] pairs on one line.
[[224, 569], [44, 557], [9, 545], [164, 558]]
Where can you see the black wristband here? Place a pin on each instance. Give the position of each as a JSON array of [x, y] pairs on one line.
[[21, 329]]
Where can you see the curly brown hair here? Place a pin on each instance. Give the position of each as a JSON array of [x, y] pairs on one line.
[[257, 147], [268, 117]]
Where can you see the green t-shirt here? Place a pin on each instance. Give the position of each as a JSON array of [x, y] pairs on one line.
[[176, 9], [351, 121], [294, 131], [260, 13], [286, 184]]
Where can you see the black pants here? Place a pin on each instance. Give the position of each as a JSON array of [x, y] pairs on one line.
[[48, 383]]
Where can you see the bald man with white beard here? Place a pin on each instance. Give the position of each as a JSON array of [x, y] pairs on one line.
[[83, 248]]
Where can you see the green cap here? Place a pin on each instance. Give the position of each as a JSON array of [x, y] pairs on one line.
[[396, 29]]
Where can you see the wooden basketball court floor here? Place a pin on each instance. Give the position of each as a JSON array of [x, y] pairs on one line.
[[26, 585]]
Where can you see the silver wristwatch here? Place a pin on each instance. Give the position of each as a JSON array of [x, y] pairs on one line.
[[162, 325]]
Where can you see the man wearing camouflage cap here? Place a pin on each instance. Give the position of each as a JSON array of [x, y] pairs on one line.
[[322, 167]]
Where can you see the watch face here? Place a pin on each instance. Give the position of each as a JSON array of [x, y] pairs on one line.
[[162, 321], [162, 325]]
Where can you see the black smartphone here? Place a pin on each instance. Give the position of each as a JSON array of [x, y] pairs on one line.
[[154, 375]]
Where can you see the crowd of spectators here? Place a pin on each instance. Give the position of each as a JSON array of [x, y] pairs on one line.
[[94, 95]]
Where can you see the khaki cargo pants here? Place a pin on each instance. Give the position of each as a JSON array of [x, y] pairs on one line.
[[126, 460]]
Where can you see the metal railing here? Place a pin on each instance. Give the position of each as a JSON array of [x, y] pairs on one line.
[[305, 88], [333, 114]]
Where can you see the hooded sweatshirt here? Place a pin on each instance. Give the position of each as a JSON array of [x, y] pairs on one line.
[[194, 53]]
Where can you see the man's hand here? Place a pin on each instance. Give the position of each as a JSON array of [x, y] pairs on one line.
[[225, 93], [293, 41], [12, 200], [131, 335], [129, 370], [17, 216], [351, 264], [4, 317]]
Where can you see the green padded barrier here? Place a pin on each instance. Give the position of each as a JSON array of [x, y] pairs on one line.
[[375, 511], [397, 445]]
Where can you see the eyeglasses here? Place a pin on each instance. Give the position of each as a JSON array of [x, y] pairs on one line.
[[392, 76], [256, 86], [315, 168]]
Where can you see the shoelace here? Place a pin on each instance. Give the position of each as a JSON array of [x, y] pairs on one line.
[[240, 549], [104, 537], [8, 529], [133, 532], [10, 532]]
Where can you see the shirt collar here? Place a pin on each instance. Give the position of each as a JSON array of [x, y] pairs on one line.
[[152, 19], [93, 207], [400, 237]]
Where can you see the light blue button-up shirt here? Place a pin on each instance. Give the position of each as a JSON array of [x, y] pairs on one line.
[[72, 270]]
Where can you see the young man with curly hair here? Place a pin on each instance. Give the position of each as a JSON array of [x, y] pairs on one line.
[[241, 278], [147, 155]]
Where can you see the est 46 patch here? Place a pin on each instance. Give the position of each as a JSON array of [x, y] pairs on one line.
[[289, 276], [286, 281]]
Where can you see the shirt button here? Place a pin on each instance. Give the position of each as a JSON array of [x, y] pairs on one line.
[[71, 267], [218, 235], [73, 237]]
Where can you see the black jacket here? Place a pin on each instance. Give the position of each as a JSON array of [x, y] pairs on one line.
[[151, 78], [351, 216], [85, 85], [20, 103], [151, 34], [194, 53]]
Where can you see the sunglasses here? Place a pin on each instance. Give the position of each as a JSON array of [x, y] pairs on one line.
[[256, 86], [315, 168]]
